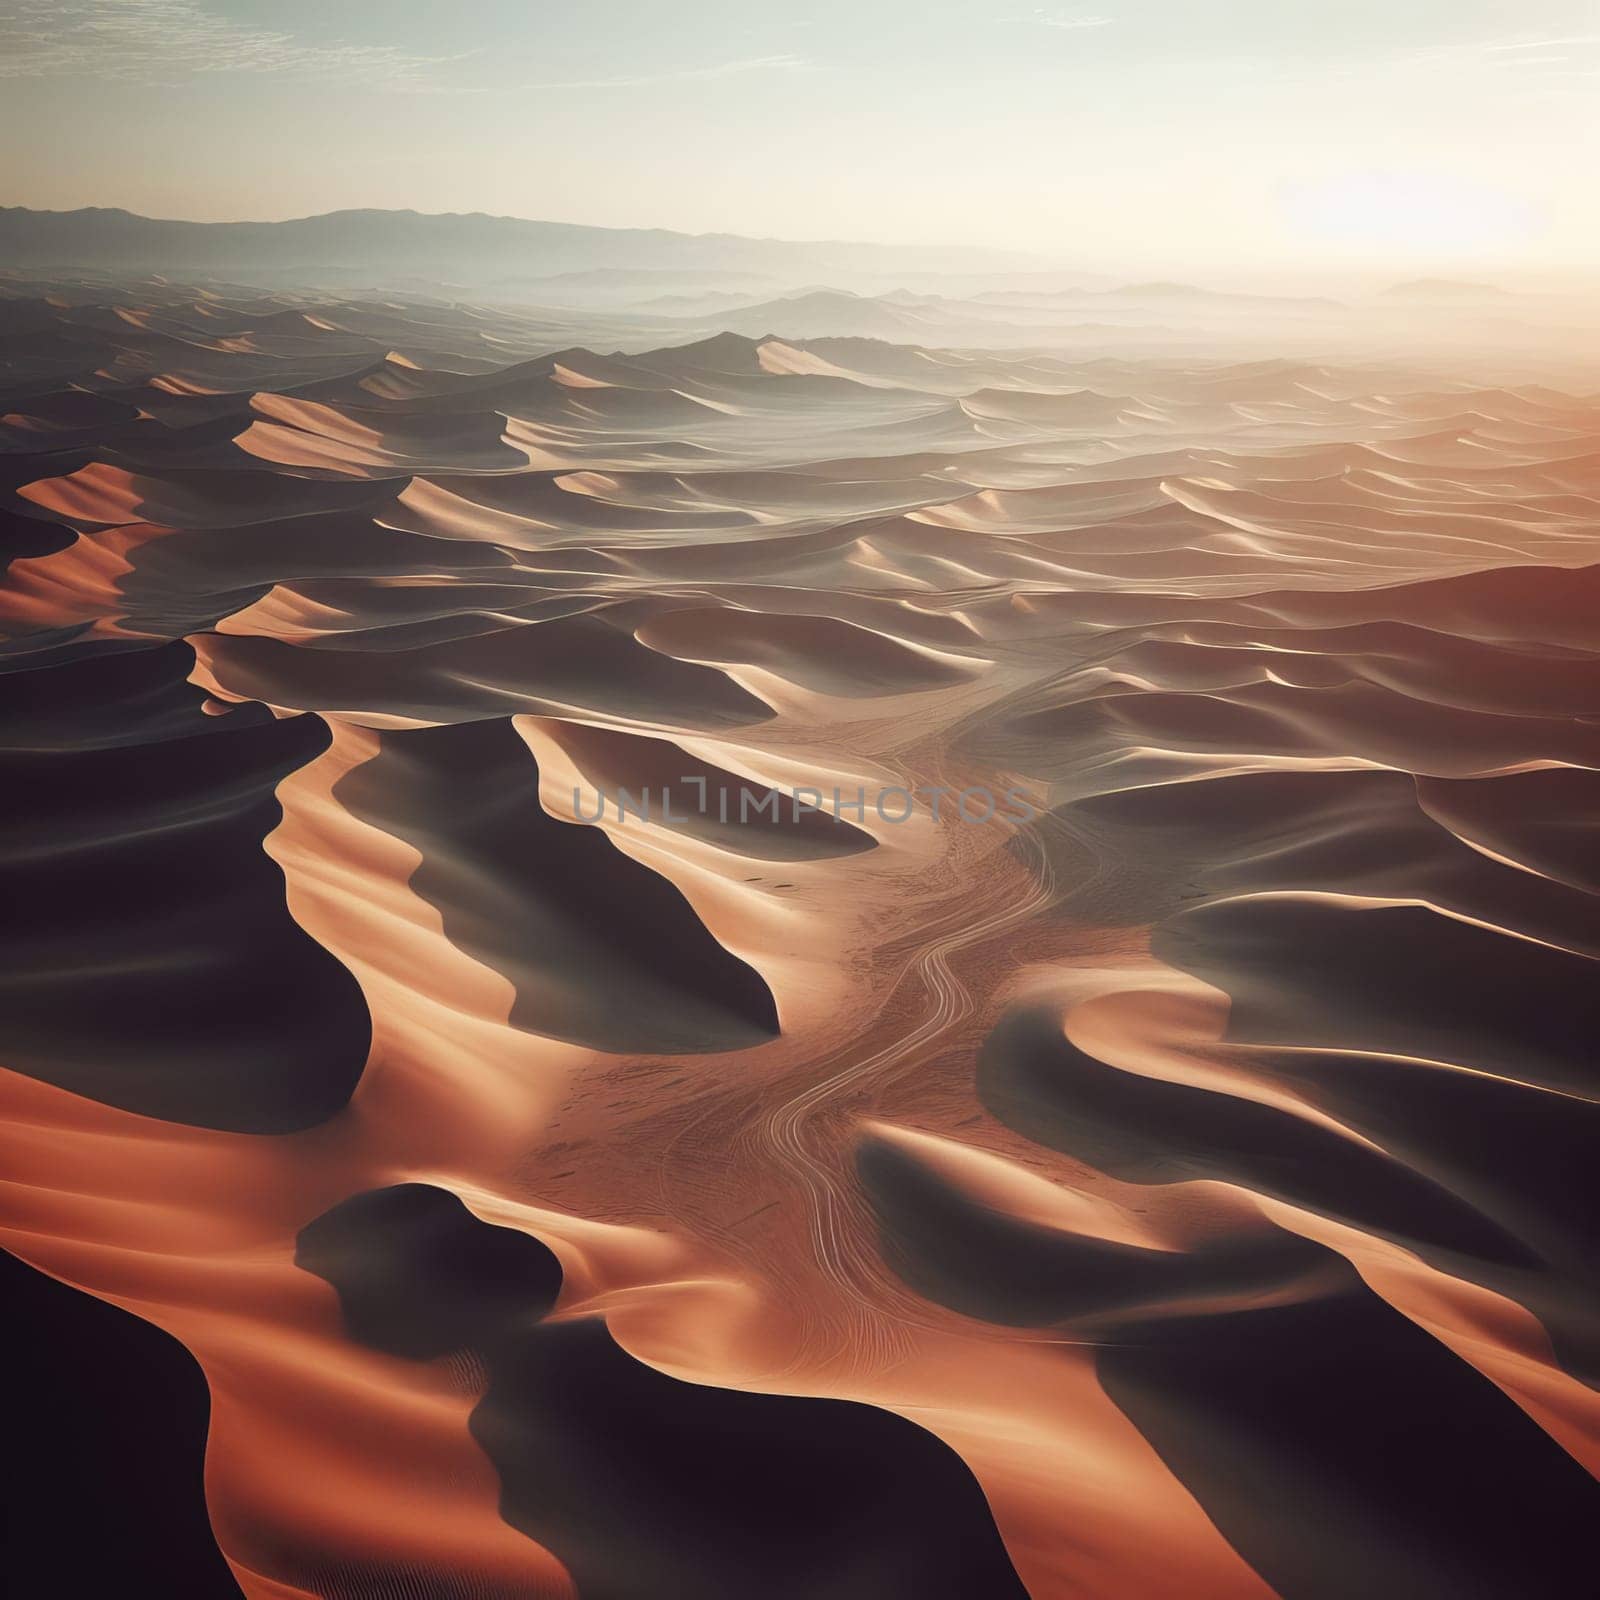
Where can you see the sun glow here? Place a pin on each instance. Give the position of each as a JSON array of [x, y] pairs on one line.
[[1421, 213]]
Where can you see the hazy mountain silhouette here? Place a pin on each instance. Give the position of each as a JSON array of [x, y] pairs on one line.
[[1445, 289], [471, 247]]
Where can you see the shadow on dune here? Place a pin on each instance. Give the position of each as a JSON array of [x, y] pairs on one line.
[[151, 969], [1342, 1451], [580, 661], [818, 653], [602, 951], [985, 1263], [1338, 1446], [106, 1421], [22, 538], [419, 1275], [646, 1487], [1148, 1130], [703, 801], [1391, 978]]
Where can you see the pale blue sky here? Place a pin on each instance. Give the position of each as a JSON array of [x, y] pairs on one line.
[[1137, 134]]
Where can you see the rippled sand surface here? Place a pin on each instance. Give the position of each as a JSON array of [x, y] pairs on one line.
[[1180, 1193]]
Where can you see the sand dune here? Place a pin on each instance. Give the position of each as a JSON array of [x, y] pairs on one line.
[[1168, 1182]]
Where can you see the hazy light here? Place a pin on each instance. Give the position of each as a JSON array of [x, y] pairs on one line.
[[1422, 213]]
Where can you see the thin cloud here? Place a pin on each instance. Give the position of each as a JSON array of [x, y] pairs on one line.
[[720, 69], [1070, 20], [1540, 44], [1497, 54], [168, 41]]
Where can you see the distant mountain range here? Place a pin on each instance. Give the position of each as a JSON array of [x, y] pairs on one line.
[[1446, 289], [454, 248]]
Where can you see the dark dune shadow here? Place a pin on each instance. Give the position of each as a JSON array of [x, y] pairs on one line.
[[1359, 832], [1523, 1157], [652, 1489], [1554, 605], [22, 538], [106, 1421], [820, 653], [646, 1487], [999, 1268], [1543, 819], [188, 579], [703, 801], [572, 661], [1275, 719], [419, 1275], [602, 950], [231, 496], [1343, 1452], [150, 967], [1399, 979], [1148, 1130]]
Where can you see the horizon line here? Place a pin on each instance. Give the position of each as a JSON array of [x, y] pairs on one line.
[[507, 216]]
